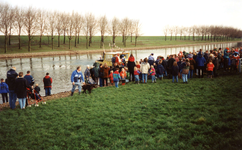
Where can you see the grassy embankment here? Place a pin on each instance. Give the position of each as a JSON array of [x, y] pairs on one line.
[[143, 41], [203, 114]]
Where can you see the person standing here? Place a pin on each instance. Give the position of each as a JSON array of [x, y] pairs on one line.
[[200, 61], [151, 59], [76, 78], [131, 65], [20, 88], [144, 69], [170, 64], [11, 76], [4, 91], [29, 78], [87, 73], [105, 70], [47, 84]]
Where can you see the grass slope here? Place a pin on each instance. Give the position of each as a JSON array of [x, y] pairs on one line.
[[143, 41], [203, 114]]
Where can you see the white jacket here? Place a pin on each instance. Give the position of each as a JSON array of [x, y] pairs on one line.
[[145, 68]]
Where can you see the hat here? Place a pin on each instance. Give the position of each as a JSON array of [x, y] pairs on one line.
[[227, 48], [152, 53]]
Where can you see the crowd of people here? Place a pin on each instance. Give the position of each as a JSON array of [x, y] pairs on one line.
[[182, 65]]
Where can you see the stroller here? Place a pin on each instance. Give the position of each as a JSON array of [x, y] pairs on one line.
[[36, 98]]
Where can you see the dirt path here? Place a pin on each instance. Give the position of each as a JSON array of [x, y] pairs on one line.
[[38, 54]]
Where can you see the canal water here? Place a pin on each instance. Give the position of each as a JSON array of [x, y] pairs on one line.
[[61, 67]]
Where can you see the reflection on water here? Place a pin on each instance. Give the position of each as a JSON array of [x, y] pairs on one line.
[[61, 67]]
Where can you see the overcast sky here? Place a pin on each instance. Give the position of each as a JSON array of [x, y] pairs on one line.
[[153, 14]]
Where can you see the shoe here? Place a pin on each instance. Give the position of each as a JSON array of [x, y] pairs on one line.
[[43, 102], [36, 105], [72, 93], [23, 108], [29, 106]]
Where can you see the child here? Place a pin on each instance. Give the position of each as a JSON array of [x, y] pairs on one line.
[[185, 71], [4, 90], [111, 77], [210, 67], [116, 77], [136, 75], [123, 76], [152, 73], [37, 90]]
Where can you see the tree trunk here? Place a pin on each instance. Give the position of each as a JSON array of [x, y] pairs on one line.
[[6, 44], [165, 39], [102, 41], [10, 37], [131, 38], [69, 43], [59, 40], [75, 41], [40, 41], [64, 36], [86, 42], [113, 37], [136, 40], [78, 39], [52, 42], [19, 42], [29, 44], [48, 40]]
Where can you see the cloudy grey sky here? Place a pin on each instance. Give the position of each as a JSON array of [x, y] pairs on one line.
[[153, 14]]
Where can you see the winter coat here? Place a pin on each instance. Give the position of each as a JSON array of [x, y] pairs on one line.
[[131, 59], [192, 64], [174, 70], [131, 66], [30, 79], [20, 87], [160, 69], [37, 89], [47, 82], [77, 77], [96, 72], [11, 76], [145, 68], [116, 76], [111, 76], [152, 71], [123, 74], [105, 72], [164, 64], [4, 87], [136, 72], [87, 73], [170, 62], [226, 54], [200, 60]]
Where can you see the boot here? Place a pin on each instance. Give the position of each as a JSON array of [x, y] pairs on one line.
[[72, 93]]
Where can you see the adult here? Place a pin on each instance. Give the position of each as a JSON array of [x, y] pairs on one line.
[[200, 61], [113, 59], [105, 70], [29, 78], [144, 69], [131, 65], [170, 64], [87, 73], [76, 78], [192, 66], [20, 88], [96, 72], [226, 58], [151, 59], [47, 84], [11, 76], [160, 70], [240, 52]]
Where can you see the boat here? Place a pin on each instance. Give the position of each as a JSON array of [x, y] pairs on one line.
[[107, 57]]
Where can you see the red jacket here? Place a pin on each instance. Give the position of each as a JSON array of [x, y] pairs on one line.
[[111, 76], [131, 58], [136, 72]]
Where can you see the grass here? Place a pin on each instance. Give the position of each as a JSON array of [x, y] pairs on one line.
[[203, 114], [143, 41]]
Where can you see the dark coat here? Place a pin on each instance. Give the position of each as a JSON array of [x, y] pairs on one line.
[[20, 87], [192, 64], [174, 70], [170, 62], [160, 69], [164, 64], [105, 72], [96, 72], [131, 66], [11, 76]]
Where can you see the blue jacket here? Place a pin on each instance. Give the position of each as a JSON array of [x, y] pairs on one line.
[[226, 54], [200, 60], [77, 77], [30, 79], [4, 88], [160, 69]]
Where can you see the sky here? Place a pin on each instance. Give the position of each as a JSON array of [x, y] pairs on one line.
[[153, 15]]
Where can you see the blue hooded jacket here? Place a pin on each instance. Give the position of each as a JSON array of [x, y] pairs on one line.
[[77, 77], [4, 88], [226, 54], [200, 60]]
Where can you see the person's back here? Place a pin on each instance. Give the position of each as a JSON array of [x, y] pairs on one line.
[[11, 76], [200, 60], [4, 90], [29, 78], [47, 84], [37, 88]]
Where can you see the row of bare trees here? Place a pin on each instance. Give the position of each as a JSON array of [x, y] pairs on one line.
[[32, 22], [207, 33]]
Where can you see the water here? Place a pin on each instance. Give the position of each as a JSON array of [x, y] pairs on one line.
[[61, 67]]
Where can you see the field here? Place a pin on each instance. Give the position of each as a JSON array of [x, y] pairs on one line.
[[143, 41], [203, 114]]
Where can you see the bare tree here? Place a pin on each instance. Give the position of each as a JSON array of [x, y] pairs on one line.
[[86, 26], [176, 31], [64, 20], [137, 30], [59, 26], [41, 16], [180, 29], [30, 23], [19, 23], [52, 22], [114, 28], [124, 28], [80, 26], [131, 29], [92, 27], [70, 27], [5, 10], [11, 22], [103, 27], [170, 30], [166, 30]]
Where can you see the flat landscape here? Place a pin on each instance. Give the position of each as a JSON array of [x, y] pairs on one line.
[[203, 114]]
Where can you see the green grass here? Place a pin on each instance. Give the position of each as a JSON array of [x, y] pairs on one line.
[[143, 41], [203, 114]]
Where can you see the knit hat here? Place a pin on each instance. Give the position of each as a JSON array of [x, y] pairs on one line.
[[227, 48]]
